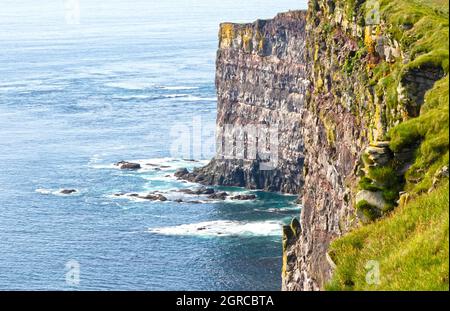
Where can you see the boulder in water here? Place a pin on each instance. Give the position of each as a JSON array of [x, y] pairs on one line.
[[154, 197], [124, 165], [205, 191], [68, 191], [218, 196], [244, 197], [181, 172]]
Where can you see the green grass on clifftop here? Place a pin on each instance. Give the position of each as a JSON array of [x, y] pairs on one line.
[[411, 247]]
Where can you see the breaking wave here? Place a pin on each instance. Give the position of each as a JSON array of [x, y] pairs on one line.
[[223, 228]]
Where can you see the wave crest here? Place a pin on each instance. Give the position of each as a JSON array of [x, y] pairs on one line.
[[223, 228]]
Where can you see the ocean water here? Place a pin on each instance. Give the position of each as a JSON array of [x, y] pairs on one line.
[[115, 80]]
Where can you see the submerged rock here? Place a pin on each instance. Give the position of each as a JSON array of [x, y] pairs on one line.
[[68, 191]]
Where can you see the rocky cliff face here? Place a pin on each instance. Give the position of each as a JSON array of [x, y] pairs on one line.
[[261, 87], [334, 80], [363, 83]]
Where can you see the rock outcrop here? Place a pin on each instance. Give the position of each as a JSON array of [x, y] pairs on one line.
[[261, 86], [124, 165], [334, 80], [351, 175]]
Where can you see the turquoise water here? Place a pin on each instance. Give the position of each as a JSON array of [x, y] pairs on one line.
[[75, 99]]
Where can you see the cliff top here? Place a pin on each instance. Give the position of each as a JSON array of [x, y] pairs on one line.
[[256, 36]]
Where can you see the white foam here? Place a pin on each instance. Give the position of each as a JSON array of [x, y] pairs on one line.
[[281, 209], [223, 228], [174, 163], [128, 196], [178, 88], [56, 192], [44, 191], [103, 166]]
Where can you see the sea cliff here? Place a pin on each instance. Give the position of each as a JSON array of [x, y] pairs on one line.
[[359, 93], [261, 84]]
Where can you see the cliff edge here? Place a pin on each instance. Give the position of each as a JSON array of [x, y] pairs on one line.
[[261, 85], [375, 132], [358, 94]]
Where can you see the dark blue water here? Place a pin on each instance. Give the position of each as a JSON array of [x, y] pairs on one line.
[[125, 83]]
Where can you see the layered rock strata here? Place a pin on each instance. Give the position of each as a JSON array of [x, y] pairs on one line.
[[333, 81], [261, 86], [349, 112]]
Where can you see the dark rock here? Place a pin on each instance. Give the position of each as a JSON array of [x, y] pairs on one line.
[[190, 160], [187, 191], [181, 172], [68, 191], [162, 198], [154, 197], [244, 197], [201, 191], [218, 196], [205, 191], [124, 165]]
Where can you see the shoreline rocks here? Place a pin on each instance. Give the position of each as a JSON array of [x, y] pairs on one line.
[[218, 196], [244, 197], [181, 172], [201, 195]]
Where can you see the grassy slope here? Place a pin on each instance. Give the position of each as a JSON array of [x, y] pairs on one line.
[[411, 247], [411, 244]]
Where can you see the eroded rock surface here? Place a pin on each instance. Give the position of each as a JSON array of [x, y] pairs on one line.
[[260, 81]]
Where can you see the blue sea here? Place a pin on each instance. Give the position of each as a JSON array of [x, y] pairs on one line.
[[85, 84]]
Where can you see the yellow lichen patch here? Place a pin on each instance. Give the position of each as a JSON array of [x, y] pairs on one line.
[[379, 129], [316, 53], [319, 84], [247, 37], [226, 35], [260, 39], [330, 127], [368, 40]]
